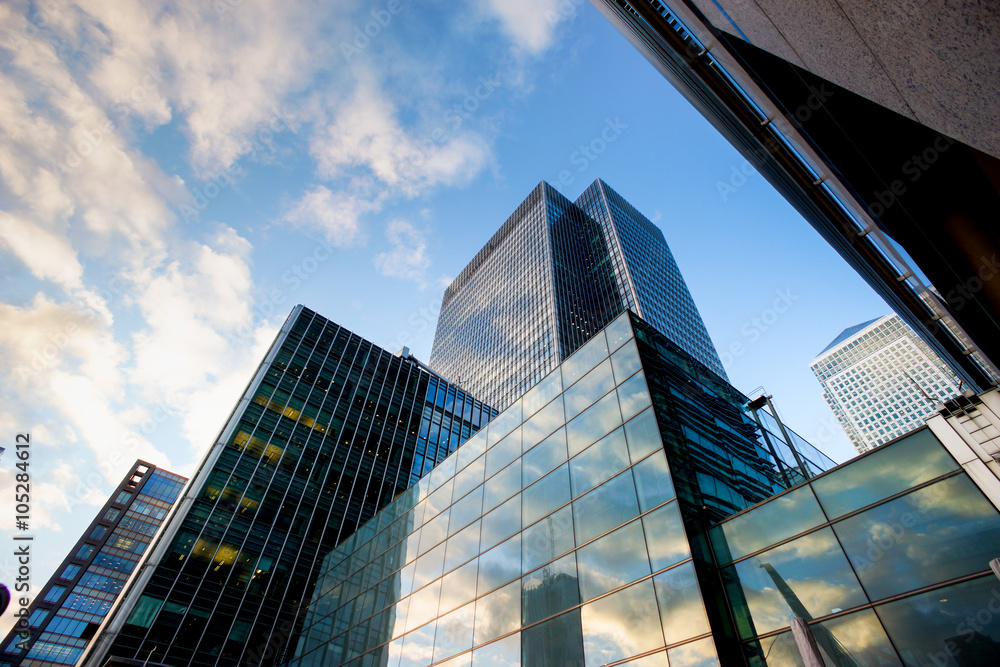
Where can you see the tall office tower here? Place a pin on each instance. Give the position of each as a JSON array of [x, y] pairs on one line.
[[876, 121], [553, 275], [881, 380], [329, 430], [65, 615], [592, 523]]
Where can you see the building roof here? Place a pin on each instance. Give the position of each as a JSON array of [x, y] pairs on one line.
[[847, 333]]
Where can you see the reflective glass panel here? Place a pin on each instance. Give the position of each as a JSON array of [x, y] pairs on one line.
[[621, 625], [618, 331], [653, 481], [544, 457], [501, 523], [681, 609], [809, 573], [545, 496], [542, 424], [654, 660], [601, 461], [429, 566], [502, 486], [459, 586], [581, 361], [699, 653], [940, 532], [462, 546], [503, 653], [504, 423], [499, 565], [593, 424], [547, 539], [418, 647], [550, 590], [557, 642], [464, 660], [591, 387], [423, 606], [438, 501], [625, 361], [888, 470], [434, 531], [643, 435], [766, 524], [466, 510], [503, 453], [633, 396], [471, 477], [454, 632], [606, 507], [665, 537], [498, 613], [543, 392], [617, 559]]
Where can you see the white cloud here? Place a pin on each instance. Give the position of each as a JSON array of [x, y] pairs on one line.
[[530, 23], [407, 257], [335, 214]]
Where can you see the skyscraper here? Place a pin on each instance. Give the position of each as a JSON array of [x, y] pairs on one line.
[[881, 380], [70, 607], [554, 274], [329, 430], [875, 122]]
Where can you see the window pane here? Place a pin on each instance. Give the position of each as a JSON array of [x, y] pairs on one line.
[[608, 506], [499, 565], [591, 387], [550, 590], [462, 547], [423, 606], [581, 361], [429, 567], [466, 510], [665, 537], [498, 613], [633, 396], [502, 486], [504, 653], [940, 532], [699, 653], [459, 587], [454, 632], [544, 457], [504, 423], [545, 496], [643, 435], [471, 449], [547, 539], [599, 462], [619, 331], [471, 477], [613, 561], [886, 471], [418, 647], [810, 572], [555, 643], [653, 481], [543, 392], [434, 532], [621, 625], [503, 453], [771, 522], [681, 609], [542, 424], [501, 523], [593, 424]]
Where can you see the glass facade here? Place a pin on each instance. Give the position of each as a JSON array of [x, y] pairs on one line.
[[885, 557], [66, 615], [558, 534], [553, 275], [330, 430]]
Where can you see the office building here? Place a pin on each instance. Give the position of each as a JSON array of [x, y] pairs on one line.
[[330, 429], [876, 122], [881, 380], [612, 515], [555, 273], [69, 608]]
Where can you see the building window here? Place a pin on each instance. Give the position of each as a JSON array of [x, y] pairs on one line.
[[38, 617], [86, 551], [99, 532], [112, 514], [70, 572], [123, 498], [54, 593]]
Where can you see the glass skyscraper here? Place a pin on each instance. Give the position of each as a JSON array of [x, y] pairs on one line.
[[554, 274], [330, 429], [74, 602]]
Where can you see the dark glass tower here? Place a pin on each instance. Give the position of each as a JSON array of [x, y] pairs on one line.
[[330, 429], [553, 275], [71, 606]]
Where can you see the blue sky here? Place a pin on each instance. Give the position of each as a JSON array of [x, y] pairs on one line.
[[175, 177]]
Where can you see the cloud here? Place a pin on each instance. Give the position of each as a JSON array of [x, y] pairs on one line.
[[530, 23], [334, 214], [407, 257]]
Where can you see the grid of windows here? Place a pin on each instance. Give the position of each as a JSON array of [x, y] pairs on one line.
[[331, 430], [881, 380], [552, 537]]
